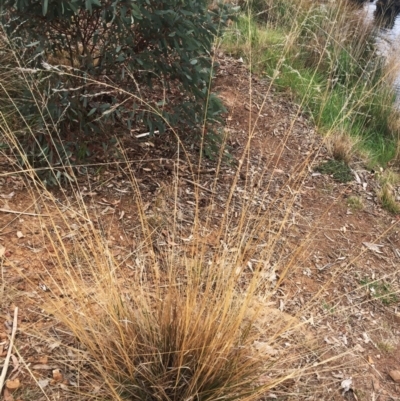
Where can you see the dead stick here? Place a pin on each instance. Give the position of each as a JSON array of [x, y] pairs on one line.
[[10, 347], [198, 185], [26, 213]]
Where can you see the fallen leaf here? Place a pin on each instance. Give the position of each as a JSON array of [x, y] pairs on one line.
[[366, 338], [9, 196], [64, 386], [54, 345], [370, 360], [107, 202], [373, 247], [43, 383], [107, 209], [15, 363], [12, 385], [346, 385], [43, 360], [358, 348], [57, 375]]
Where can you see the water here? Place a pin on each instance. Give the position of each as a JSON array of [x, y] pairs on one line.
[[387, 41]]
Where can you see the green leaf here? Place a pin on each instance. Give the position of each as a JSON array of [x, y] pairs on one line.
[[45, 5], [136, 12], [32, 44], [92, 111], [73, 7], [88, 5]]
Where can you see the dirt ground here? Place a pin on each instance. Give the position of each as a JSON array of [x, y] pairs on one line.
[[343, 281]]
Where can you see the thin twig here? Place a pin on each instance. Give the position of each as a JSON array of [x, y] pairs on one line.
[[26, 213], [198, 185], [10, 347]]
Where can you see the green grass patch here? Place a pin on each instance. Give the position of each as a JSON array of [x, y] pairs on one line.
[[355, 203], [325, 60], [338, 169], [382, 291], [386, 347]]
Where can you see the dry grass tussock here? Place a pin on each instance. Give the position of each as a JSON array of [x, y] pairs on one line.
[[341, 146], [387, 193], [186, 321], [174, 326], [181, 324]]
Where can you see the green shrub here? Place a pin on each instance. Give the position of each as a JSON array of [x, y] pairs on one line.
[[144, 63]]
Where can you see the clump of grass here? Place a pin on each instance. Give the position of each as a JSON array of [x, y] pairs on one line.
[[338, 169], [388, 200], [355, 203], [389, 177], [382, 291], [174, 326], [386, 194], [386, 347], [163, 340], [341, 146]]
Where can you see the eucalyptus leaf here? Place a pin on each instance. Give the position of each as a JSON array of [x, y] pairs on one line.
[[92, 111], [45, 5]]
